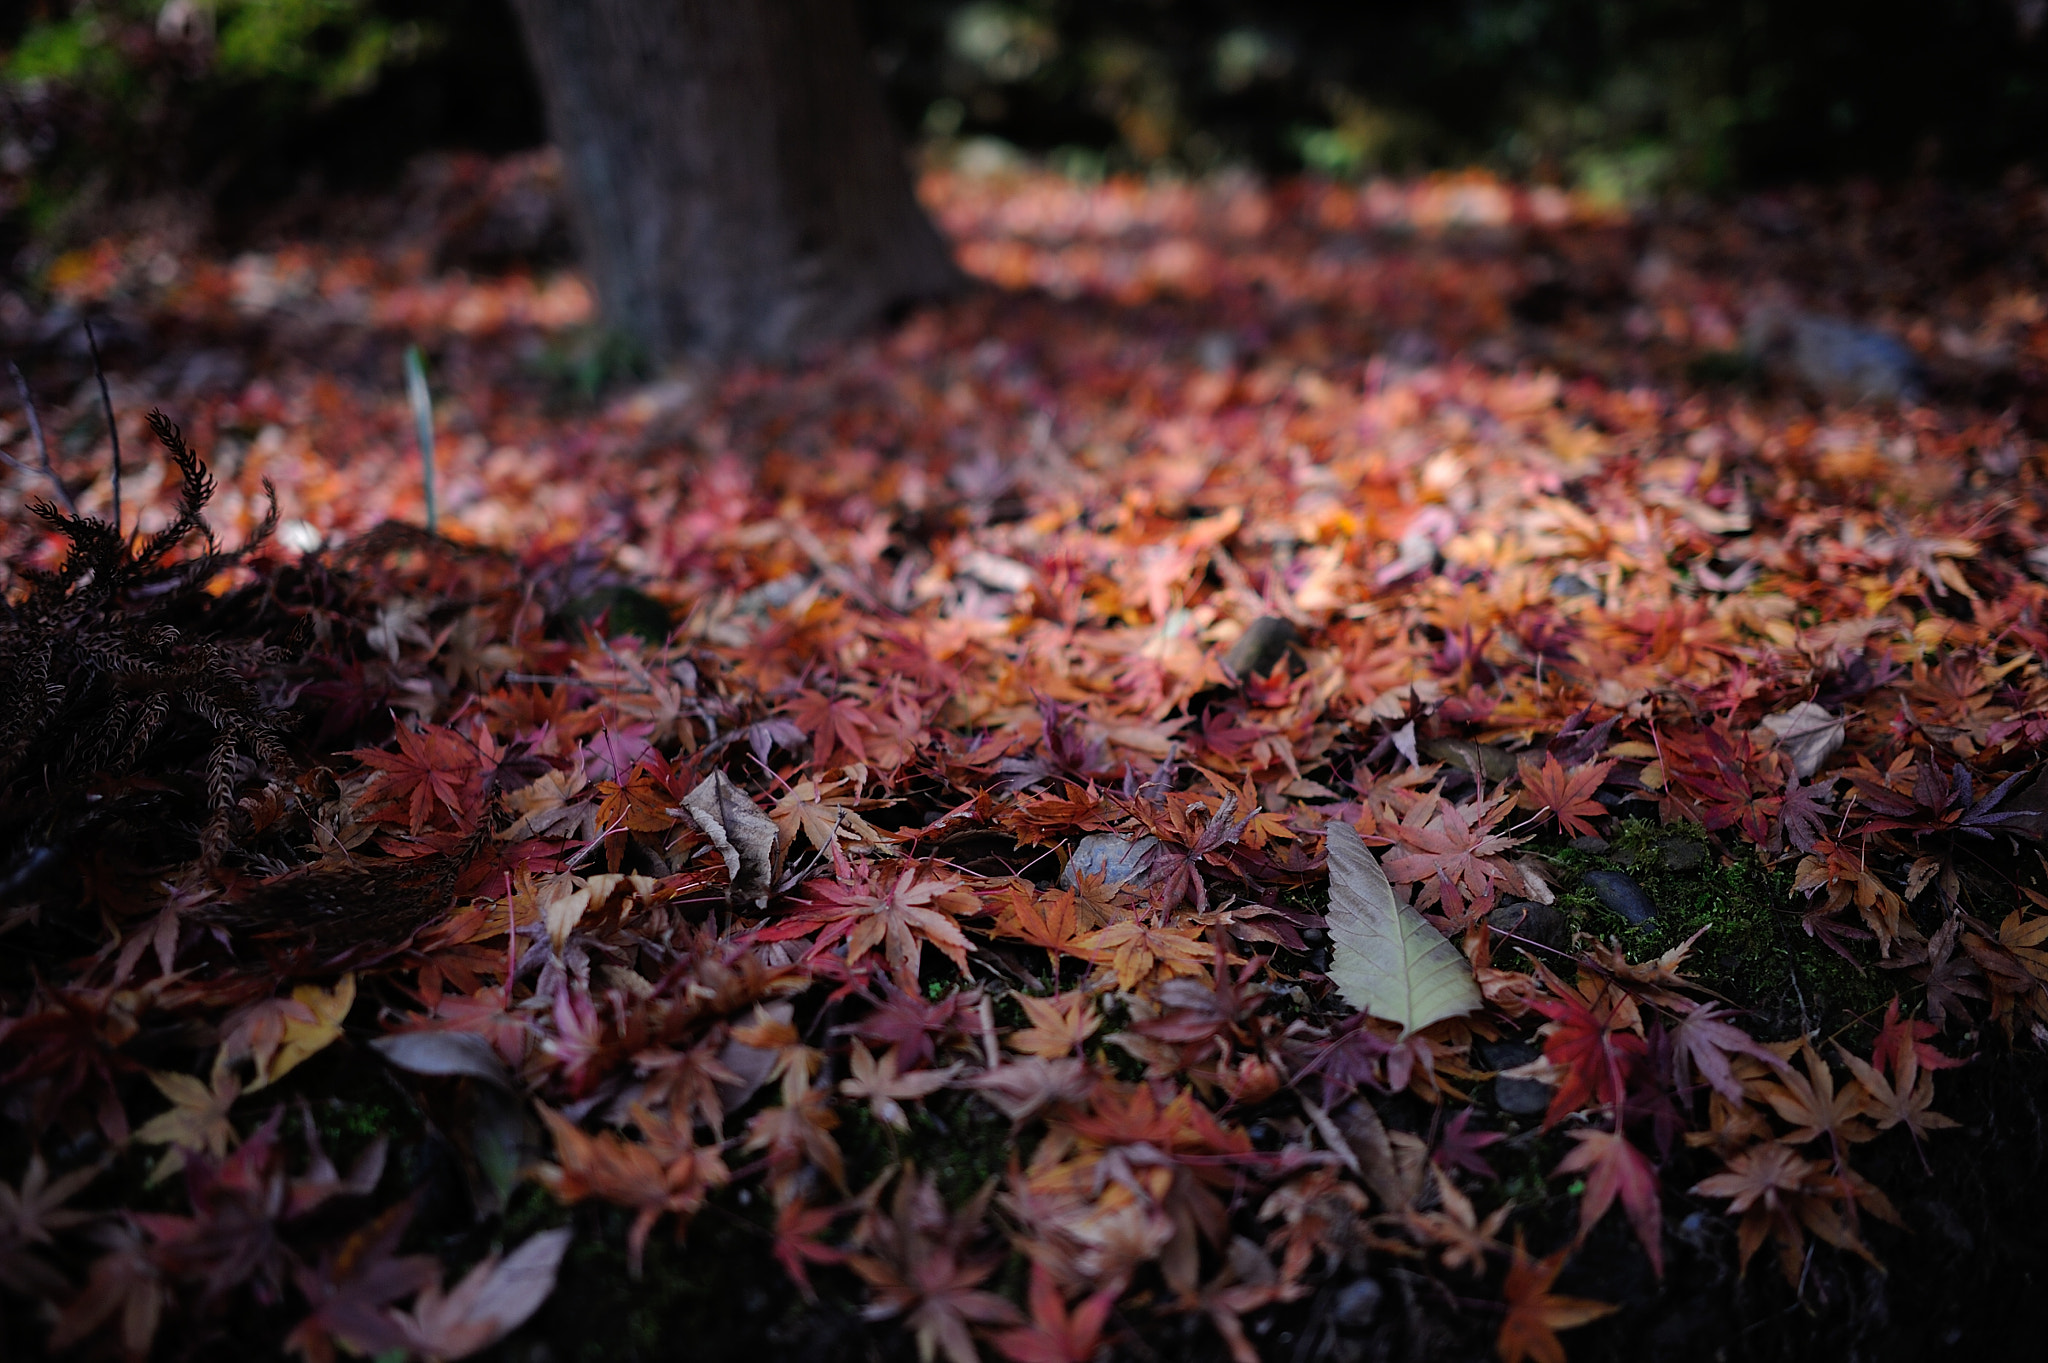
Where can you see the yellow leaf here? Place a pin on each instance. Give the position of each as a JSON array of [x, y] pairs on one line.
[[197, 1122], [302, 1038], [1386, 958], [562, 904]]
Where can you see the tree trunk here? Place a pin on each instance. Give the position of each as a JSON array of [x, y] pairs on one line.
[[735, 181]]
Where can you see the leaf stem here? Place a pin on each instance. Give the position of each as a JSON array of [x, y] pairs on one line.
[[99, 372], [35, 429], [423, 428]]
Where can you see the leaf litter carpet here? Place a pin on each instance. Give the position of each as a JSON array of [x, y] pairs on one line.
[[867, 820]]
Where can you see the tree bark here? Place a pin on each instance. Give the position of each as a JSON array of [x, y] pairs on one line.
[[736, 185]]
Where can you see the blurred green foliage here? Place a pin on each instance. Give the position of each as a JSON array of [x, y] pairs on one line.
[[243, 101], [332, 47], [1626, 98], [236, 104]]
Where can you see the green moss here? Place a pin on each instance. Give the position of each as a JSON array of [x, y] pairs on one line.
[[581, 366], [1753, 948], [353, 1102], [956, 1138], [620, 609]]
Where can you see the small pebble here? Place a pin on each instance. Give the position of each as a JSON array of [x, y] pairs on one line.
[[1591, 842], [1542, 924], [1617, 890], [1683, 854], [1521, 1097], [1265, 641], [1571, 584], [1356, 1304], [1835, 359], [1517, 1097]]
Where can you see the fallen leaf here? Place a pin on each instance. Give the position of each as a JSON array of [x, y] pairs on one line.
[[197, 1123], [1534, 1316], [493, 1299], [1807, 734], [744, 836], [462, 1054], [884, 1090], [1386, 960], [1616, 1169], [302, 1037]]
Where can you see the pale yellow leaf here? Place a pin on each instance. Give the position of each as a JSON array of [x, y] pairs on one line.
[[1386, 959]]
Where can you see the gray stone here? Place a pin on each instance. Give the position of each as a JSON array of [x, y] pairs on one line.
[[1265, 641], [1618, 891], [1516, 1097], [1543, 924], [1834, 359], [1112, 859], [1355, 1304], [1521, 1097], [1571, 584], [1683, 854]]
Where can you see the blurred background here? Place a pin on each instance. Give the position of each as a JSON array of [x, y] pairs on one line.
[[230, 116]]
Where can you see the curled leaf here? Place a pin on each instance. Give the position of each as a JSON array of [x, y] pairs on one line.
[[743, 835], [1808, 734], [445, 1053]]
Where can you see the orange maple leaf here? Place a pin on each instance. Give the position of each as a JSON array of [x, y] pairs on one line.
[[1052, 921], [1136, 949], [1781, 1196], [1058, 1024], [1534, 1315], [663, 1175]]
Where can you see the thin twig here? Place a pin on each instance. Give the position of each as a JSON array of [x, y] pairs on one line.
[[548, 679], [35, 428], [113, 428]]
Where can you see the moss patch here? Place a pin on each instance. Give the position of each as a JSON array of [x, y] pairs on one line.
[[1753, 948], [959, 1140]]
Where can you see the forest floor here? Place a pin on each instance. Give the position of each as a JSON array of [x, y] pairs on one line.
[[839, 858]]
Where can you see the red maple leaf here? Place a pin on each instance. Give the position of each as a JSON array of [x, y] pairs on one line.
[[1458, 1147], [1055, 1334], [1899, 1036], [1722, 772], [1458, 852], [1616, 1169], [835, 726], [1550, 788], [1591, 1047], [796, 1244], [433, 764], [1701, 1041], [1803, 811], [907, 1022]]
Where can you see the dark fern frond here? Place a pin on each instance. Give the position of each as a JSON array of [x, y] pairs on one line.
[[119, 664], [195, 490]]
